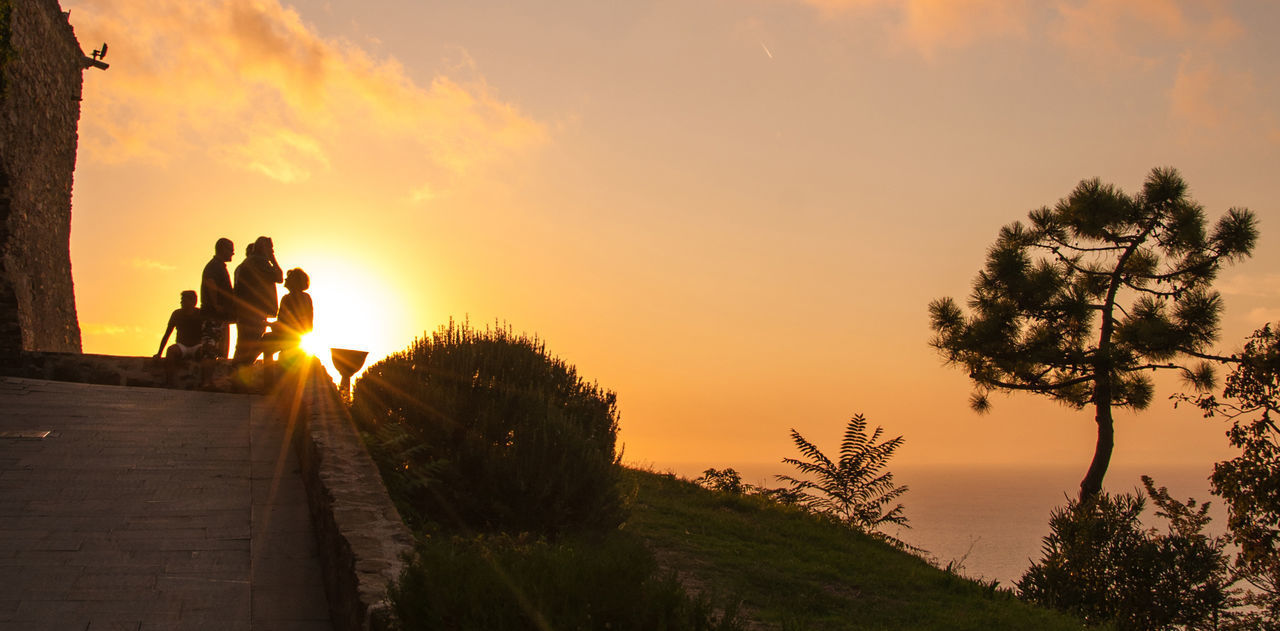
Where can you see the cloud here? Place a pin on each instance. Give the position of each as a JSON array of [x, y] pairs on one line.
[[1256, 285], [148, 264], [107, 329], [1263, 315], [931, 25], [424, 193], [248, 83], [1140, 32], [1206, 96]]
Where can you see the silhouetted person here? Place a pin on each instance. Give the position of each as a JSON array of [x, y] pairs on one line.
[[189, 323], [295, 319], [217, 302], [255, 289]]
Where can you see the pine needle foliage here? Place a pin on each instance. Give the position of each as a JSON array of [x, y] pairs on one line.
[[1088, 298], [855, 489]]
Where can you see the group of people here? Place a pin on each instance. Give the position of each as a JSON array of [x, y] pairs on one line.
[[204, 332]]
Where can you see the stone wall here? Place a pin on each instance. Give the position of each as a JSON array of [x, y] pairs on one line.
[[363, 542], [40, 81]]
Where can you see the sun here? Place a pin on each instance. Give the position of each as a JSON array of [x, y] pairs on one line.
[[353, 309]]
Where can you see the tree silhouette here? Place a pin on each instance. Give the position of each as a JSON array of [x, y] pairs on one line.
[[853, 489], [1250, 482], [1094, 295]]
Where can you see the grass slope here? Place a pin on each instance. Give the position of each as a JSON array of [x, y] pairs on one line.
[[797, 571]]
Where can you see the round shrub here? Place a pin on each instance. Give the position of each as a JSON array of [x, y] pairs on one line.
[[484, 430]]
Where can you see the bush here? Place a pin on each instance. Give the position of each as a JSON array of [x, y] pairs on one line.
[[484, 430], [512, 583], [1102, 565]]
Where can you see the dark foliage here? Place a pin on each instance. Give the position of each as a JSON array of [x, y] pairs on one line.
[[730, 481], [1093, 295], [1250, 482], [856, 490], [509, 583], [1101, 564], [484, 430]]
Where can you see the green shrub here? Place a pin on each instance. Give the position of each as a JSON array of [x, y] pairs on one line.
[[502, 582], [484, 430], [1102, 565]]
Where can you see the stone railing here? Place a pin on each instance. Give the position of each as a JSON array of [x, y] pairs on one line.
[[363, 541]]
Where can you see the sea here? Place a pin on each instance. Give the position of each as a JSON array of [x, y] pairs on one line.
[[990, 521]]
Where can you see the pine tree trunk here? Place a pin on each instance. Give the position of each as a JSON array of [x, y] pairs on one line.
[[1091, 485]]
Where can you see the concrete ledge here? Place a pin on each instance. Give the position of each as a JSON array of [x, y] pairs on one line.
[[116, 370], [363, 541]]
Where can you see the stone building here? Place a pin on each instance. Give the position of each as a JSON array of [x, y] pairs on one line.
[[40, 82]]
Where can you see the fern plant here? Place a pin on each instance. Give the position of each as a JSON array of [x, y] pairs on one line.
[[856, 490]]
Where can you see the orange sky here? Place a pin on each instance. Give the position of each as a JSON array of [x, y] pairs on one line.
[[733, 213]]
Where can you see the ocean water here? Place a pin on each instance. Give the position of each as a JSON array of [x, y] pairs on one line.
[[991, 520]]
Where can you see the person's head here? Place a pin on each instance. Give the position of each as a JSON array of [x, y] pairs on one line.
[[297, 280], [223, 249], [248, 250], [188, 299], [263, 246]]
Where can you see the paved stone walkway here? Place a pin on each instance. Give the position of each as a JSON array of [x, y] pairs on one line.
[[151, 509]]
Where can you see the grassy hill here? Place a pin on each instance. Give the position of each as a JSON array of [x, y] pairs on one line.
[[792, 570]]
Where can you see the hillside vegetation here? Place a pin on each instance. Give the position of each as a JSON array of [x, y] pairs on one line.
[[794, 570], [503, 461]]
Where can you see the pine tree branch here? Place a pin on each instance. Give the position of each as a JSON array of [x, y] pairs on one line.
[[1146, 290], [1216, 358], [1076, 248], [1039, 388]]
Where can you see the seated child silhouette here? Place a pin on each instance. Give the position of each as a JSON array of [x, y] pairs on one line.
[[189, 323]]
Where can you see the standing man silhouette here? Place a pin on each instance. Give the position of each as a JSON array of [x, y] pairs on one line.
[[217, 302], [256, 280]]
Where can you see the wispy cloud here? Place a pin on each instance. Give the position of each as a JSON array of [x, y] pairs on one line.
[[1257, 285], [1207, 96], [932, 25], [1118, 31], [108, 329], [1263, 315], [424, 193], [148, 264], [249, 83]]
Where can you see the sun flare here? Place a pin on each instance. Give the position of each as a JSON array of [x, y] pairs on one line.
[[353, 308]]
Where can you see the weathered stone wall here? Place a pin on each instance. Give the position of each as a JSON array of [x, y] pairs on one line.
[[40, 82], [363, 542]]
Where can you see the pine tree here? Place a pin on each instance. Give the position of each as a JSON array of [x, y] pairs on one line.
[[1094, 295]]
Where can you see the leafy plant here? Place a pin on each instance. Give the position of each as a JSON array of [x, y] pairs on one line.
[[1250, 482], [1091, 297], [854, 489], [485, 430], [730, 481], [724, 480], [1101, 564]]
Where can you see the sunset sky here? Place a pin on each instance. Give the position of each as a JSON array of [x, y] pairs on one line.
[[734, 213]]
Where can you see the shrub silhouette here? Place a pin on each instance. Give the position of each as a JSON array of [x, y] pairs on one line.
[[484, 430], [1101, 564], [854, 489]]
